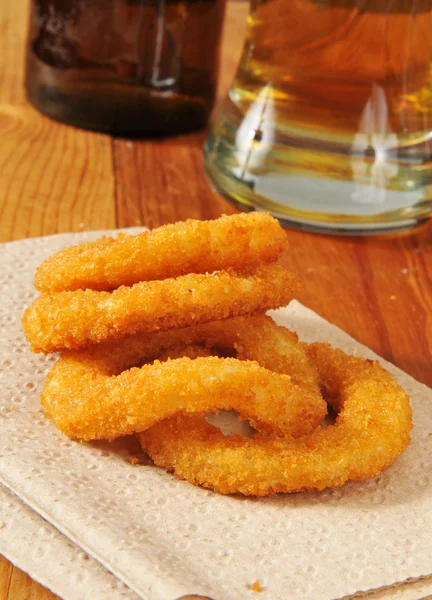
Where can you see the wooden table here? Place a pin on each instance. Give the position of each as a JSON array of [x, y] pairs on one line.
[[55, 178]]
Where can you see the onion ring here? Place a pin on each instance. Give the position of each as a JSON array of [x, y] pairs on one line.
[[89, 394], [372, 429], [234, 242], [80, 318], [256, 338]]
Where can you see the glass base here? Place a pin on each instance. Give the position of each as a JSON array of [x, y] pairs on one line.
[[338, 224], [328, 185], [333, 228]]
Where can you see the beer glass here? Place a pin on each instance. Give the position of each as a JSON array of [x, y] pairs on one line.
[[328, 122], [125, 66]]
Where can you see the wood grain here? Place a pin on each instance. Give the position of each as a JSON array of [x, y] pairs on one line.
[[24, 588], [379, 290], [6, 569], [55, 178]]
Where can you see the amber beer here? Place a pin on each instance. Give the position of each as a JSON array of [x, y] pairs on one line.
[[329, 117], [329, 58], [125, 66]]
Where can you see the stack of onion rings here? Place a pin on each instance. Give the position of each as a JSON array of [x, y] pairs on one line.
[[153, 343]]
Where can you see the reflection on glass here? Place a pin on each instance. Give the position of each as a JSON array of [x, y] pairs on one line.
[[329, 118]]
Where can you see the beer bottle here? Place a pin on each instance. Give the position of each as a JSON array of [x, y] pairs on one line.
[[125, 67]]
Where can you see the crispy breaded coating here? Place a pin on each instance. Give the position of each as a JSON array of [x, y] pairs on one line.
[[371, 431], [84, 317], [95, 393], [230, 242], [86, 401]]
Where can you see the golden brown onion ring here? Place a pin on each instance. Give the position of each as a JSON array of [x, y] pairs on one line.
[[89, 394], [254, 337], [84, 317], [234, 242], [371, 431]]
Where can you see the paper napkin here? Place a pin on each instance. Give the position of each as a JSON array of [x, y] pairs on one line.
[[163, 538]]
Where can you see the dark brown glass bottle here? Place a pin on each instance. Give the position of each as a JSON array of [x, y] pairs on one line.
[[127, 67]]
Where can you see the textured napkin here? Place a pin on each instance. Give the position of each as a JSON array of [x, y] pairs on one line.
[[164, 538], [45, 554]]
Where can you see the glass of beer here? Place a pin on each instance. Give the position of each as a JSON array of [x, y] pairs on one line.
[[328, 122], [125, 66]]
